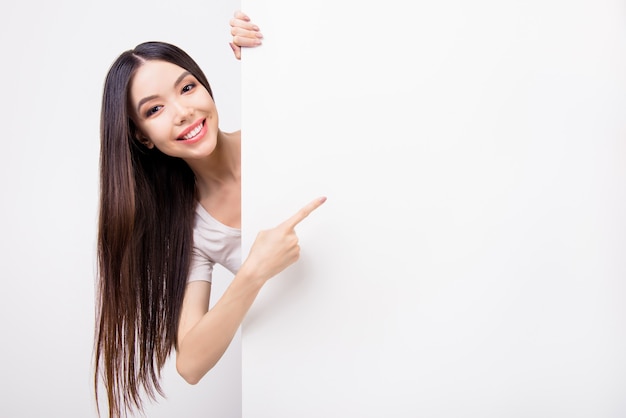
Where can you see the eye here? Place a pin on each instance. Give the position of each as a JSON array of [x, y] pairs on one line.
[[188, 87], [151, 111]]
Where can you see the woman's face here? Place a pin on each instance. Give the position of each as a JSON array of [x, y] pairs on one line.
[[173, 111]]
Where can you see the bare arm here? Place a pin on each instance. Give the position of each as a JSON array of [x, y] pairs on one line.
[[204, 336]]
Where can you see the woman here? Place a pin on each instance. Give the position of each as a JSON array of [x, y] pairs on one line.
[[169, 209]]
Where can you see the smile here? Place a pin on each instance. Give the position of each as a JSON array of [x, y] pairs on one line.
[[191, 134]]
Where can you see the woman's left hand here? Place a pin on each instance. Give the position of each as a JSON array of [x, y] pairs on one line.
[[245, 33]]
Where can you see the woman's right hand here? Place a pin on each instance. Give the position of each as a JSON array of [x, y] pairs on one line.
[[244, 32], [276, 249]]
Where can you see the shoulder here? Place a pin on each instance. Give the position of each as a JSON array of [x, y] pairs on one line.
[[234, 137], [208, 231]]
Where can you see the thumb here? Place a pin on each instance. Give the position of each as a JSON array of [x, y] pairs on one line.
[[236, 50]]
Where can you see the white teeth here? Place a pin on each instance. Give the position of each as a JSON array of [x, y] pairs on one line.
[[195, 132]]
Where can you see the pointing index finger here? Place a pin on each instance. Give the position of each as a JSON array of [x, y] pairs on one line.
[[304, 212]]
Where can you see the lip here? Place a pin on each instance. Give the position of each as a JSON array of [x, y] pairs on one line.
[[191, 128]]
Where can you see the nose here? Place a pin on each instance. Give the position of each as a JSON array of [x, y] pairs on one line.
[[183, 112]]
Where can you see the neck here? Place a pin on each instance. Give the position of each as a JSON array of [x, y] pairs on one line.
[[222, 166]]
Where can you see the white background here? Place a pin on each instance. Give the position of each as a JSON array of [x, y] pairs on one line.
[[54, 59], [470, 259]]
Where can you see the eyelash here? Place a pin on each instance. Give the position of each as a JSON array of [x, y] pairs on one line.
[[186, 89], [190, 85], [152, 110]]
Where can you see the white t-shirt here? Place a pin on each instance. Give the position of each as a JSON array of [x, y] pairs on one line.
[[213, 242]]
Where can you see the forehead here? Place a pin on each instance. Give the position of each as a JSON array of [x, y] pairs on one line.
[[153, 78]]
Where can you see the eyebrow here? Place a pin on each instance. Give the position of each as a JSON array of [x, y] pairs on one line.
[[147, 99]]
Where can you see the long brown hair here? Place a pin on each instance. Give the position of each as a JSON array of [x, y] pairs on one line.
[[147, 202]]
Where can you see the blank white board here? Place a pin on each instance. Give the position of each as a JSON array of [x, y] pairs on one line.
[[470, 259]]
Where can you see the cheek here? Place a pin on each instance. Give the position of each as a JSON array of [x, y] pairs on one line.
[[157, 130], [207, 100]]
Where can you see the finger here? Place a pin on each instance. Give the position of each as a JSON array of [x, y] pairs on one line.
[[304, 212], [243, 24], [244, 33], [241, 15], [245, 42]]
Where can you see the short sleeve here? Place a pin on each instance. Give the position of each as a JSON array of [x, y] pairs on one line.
[[200, 268], [213, 242]]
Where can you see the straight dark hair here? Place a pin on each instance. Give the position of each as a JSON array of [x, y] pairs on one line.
[[145, 238]]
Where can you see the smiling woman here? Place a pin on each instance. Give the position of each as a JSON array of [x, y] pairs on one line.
[[173, 115], [170, 208]]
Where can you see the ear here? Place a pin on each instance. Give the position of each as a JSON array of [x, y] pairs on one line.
[[144, 140]]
